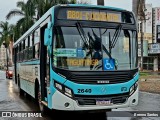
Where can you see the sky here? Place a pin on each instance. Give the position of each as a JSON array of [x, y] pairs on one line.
[[7, 5]]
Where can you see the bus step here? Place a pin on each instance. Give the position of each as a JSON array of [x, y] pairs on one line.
[[44, 103]]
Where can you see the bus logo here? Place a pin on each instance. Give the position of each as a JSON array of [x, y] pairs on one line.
[[102, 81], [103, 90]]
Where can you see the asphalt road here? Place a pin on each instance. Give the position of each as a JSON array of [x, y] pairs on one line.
[[10, 100]]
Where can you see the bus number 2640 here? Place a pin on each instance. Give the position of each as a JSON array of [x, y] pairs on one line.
[[84, 90]]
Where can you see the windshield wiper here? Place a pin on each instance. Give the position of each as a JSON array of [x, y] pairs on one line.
[[82, 34], [115, 36], [112, 42], [86, 41], [103, 47]]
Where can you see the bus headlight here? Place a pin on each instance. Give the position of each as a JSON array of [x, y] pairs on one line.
[[136, 85], [133, 88], [65, 90], [131, 91], [58, 86], [68, 92]]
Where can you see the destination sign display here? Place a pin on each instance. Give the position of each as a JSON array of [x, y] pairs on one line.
[[90, 15], [94, 16]]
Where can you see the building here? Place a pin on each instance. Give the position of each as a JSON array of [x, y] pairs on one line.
[[2, 56], [151, 38], [154, 48]]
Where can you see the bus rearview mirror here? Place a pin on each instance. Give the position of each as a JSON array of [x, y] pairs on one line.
[[49, 25], [47, 37]]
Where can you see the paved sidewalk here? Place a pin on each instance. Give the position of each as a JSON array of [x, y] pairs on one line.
[[149, 79]]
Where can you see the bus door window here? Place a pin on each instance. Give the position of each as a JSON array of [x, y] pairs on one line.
[[47, 70]]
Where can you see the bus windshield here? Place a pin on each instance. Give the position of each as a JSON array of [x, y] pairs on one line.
[[81, 48]]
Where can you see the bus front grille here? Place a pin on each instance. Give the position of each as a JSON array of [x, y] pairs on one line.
[[100, 79], [97, 77]]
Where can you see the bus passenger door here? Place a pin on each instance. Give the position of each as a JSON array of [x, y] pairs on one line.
[[44, 66]]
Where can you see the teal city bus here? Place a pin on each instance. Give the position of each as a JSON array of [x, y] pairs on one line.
[[78, 58]]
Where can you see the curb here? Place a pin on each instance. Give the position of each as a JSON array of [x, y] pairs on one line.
[[145, 79]]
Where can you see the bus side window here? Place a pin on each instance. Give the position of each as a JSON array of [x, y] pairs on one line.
[[30, 54], [33, 47], [17, 52], [20, 50], [36, 42], [26, 49], [37, 51]]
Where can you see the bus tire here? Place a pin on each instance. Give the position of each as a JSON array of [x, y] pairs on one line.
[[21, 92]]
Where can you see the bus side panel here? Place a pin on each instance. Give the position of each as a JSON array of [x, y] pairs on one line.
[[28, 87], [29, 72]]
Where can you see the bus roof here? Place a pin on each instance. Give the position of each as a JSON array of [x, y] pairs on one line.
[[50, 11], [95, 6]]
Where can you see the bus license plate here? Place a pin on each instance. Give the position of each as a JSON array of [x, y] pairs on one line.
[[103, 102]]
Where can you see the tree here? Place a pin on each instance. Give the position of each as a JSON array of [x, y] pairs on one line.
[[43, 6], [31, 11], [142, 17], [6, 37], [5, 33], [27, 11]]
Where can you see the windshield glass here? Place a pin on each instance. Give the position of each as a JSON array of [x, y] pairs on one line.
[[94, 49]]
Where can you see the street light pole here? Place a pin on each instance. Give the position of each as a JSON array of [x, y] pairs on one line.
[[100, 2], [141, 30]]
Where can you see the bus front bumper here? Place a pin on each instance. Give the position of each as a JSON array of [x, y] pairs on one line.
[[62, 102]]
